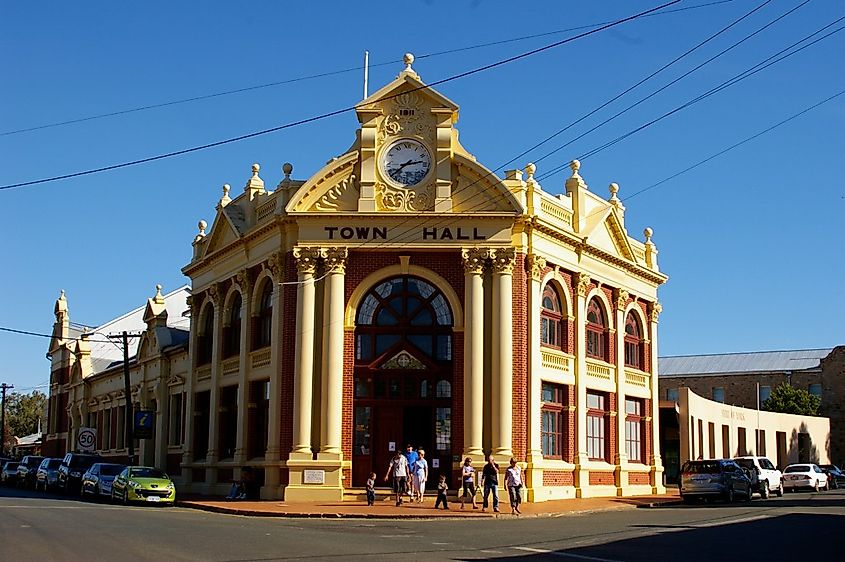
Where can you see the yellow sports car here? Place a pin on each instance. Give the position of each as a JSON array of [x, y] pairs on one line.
[[143, 484]]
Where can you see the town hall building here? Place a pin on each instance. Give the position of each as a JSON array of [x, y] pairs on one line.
[[406, 294]]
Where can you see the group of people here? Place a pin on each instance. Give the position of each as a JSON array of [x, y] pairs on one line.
[[409, 472]]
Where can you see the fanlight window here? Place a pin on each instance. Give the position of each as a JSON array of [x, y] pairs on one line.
[[551, 333], [633, 342], [596, 331]]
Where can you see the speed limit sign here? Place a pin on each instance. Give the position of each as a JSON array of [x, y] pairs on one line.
[[86, 439]]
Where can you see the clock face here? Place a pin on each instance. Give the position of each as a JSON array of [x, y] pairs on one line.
[[406, 162]]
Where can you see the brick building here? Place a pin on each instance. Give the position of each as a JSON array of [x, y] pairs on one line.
[[733, 378], [406, 294]]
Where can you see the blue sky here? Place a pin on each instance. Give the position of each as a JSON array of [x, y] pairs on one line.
[[752, 241]]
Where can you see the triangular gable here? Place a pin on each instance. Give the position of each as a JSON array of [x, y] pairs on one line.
[[478, 190], [606, 232], [223, 233], [330, 190], [403, 360], [406, 82]]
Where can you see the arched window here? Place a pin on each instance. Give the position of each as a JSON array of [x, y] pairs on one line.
[[444, 389], [633, 342], [233, 331], [596, 331], [551, 334], [205, 341], [264, 320]]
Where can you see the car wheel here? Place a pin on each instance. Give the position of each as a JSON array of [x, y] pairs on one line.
[[729, 495], [748, 493], [125, 497], [815, 485], [827, 486], [764, 490], [780, 490]]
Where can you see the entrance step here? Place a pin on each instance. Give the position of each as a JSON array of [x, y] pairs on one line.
[[386, 495]]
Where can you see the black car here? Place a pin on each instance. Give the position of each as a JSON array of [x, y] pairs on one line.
[[27, 470], [9, 473], [74, 465], [835, 476]]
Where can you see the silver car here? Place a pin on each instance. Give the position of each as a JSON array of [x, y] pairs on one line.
[[97, 480], [720, 478]]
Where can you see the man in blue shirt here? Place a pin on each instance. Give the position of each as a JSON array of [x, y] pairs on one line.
[[412, 457]]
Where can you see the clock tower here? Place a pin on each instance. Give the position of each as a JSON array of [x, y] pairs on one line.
[[406, 144]]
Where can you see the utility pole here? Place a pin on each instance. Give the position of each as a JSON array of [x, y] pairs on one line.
[[4, 387], [127, 389]]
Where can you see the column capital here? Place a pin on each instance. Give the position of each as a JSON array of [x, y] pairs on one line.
[[620, 299], [474, 259], [306, 259], [215, 294], [335, 259], [244, 280], [537, 266], [582, 281], [503, 260], [276, 265], [654, 310]]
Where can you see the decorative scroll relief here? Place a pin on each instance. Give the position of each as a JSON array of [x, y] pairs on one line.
[[583, 281], [389, 198], [536, 265], [342, 195], [405, 117]]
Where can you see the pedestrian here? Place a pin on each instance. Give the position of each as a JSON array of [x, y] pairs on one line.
[[490, 483], [468, 481], [420, 470], [371, 489], [441, 493], [411, 456], [513, 480], [398, 469]]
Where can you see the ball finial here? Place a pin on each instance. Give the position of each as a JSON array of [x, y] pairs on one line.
[[575, 165], [202, 226], [408, 59], [648, 233], [614, 188], [287, 168], [226, 189], [530, 168], [255, 169]]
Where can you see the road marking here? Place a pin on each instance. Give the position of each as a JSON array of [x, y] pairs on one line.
[[730, 521], [441, 543], [396, 536], [26, 526], [529, 549], [561, 554], [491, 551]]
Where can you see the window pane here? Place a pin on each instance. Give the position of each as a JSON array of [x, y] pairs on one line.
[[360, 388], [386, 318], [423, 342], [719, 394], [384, 342], [367, 309], [364, 347], [548, 393], [361, 440], [672, 394], [443, 428], [765, 392], [441, 309], [423, 318], [444, 348], [815, 390]]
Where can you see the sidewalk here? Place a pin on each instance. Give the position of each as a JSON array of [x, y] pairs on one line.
[[387, 510]]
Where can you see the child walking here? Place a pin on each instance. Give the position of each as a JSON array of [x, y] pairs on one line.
[[371, 489], [441, 493]]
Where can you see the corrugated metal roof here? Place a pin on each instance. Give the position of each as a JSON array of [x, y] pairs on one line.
[[754, 362], [105, 353]]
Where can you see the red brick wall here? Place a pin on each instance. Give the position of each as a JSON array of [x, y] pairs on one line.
[[458, 395], [602, 479], [611, 323], [638, 478], [348, 390], [612, 430], [520, 358], [558, 478], [570, 435], [647, 428], [646, 332]]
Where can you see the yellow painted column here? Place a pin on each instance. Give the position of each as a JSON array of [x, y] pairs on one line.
[[214, 406], [474, 259], [303, 376], [272, 478], [582, 472], [188, 444], [245, 284], [535, 357], [620, 301], [655, 461], [335, 264], [502, 387]]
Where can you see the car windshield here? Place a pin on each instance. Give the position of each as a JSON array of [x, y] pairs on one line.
[[54, 463], [799, 468], [745, 463], [111, 469], [82, 462], [11, 465], [701, 468], [34, 461], [147, 472]]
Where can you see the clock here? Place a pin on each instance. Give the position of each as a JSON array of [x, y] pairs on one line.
[[406, 162]]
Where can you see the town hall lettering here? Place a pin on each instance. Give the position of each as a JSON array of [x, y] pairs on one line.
[[381, 233]]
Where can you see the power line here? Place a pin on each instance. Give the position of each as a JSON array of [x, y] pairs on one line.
[[330, 73], [51, 336], [338, 111]]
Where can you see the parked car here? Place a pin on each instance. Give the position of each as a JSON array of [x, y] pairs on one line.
[[97, 480], [143, 483], [72, 468], [804, 475], [27, 469], [835, 476], [45, 476], [720, 478], [765, 477], [9, 474]]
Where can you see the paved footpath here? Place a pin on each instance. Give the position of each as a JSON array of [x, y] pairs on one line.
[[385, 509]]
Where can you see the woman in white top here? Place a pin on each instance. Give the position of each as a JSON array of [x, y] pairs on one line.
[[420, 475], [513, 480]]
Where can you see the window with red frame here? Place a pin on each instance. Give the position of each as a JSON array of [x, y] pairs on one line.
[[596, 331], [550, 319], [552, 412], [597, 416], [265, 318], [633, 342], [634, 429], [232, 336]]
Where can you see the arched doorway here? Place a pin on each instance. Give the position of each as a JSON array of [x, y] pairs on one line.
[[403, 376]]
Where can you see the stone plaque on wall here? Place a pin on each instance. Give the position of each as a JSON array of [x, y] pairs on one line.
[[313, 476]]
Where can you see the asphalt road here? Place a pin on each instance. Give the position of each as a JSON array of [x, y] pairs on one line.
[[35, 526]]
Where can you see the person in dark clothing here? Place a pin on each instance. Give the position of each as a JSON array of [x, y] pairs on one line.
[[490, 483]]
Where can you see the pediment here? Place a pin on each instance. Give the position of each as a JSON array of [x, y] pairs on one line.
[[478, 190], [333, 189], [405, 361], [406, 82], [608, 234], [223, 233]]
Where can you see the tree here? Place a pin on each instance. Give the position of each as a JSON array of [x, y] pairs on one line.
[[787, 399], [24, 411]]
